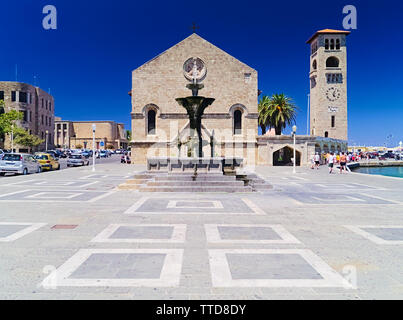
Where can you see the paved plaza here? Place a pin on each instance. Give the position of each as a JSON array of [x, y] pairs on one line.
[[72, 234]]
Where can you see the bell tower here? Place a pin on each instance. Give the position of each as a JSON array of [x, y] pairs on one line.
[[328, 83]]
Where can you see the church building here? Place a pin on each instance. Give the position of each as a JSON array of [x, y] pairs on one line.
[[159, 122], [160, 126]]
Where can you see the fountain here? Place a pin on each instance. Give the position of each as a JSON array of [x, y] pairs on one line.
[[194, 172], [195, 106], [195, 72]]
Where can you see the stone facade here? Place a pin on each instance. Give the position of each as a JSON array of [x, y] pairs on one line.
[[160, 81], [38, 107], [70, 134], [234, 85], [328, 76], [269, 148]]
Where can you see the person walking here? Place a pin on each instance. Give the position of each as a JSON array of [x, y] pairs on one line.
[[128, 160], [313, 162], [317, 160], [343, 163], [331, 161]]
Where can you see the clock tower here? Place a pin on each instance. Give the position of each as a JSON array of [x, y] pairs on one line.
[[328, 83]]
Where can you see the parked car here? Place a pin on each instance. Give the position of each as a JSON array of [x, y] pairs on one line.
[[19, 163], [47, 161], [77, 160], [1, 154], [63, 155], [53, 153], [59, 153], [86, 154], [103, 154]]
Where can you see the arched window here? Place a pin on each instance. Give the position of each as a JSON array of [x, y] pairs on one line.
[[151, 122], [238, 122], [332, 62], [327, 44], [337, 44], [326, 134], [331, 44], [314, 65]]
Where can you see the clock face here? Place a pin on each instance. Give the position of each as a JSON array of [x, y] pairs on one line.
[[333, 94], [194, 68]]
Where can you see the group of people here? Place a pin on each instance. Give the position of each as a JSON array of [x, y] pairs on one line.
[[125, 158], [332, 160]]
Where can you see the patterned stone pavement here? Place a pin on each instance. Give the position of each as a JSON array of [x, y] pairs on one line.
[[313, 236]]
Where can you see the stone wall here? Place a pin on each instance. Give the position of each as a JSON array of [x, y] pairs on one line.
[[80, 133], [159, 82], [307, 146]]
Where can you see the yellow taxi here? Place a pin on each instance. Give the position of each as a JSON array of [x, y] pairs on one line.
[[47, 161]]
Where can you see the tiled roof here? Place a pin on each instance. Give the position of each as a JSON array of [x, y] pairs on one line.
[[330, 31]]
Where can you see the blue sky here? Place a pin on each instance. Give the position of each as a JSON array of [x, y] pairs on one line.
[[87, 61]]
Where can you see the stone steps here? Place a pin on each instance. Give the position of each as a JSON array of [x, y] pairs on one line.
[[205, 178], [187, 182], [253, 180], [212, 189], [174, 183]]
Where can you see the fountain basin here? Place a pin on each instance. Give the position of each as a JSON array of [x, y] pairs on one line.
[[190, 165], [195, 107]]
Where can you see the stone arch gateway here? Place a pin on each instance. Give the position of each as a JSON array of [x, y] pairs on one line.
[[283, 157]]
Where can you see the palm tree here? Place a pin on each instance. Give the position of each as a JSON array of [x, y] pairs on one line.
[[263, 109], [281, 112]]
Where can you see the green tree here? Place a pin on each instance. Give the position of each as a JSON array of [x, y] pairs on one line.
[[7, 119], [23, 138], [263, 109], [129, 135], [281, 112]]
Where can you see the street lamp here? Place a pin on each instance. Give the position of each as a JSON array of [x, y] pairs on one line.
[[94, 127], [308, 116], [47, 134], [294, 133], [12, 138]]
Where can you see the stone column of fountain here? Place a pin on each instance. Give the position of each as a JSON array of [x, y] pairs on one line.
[[195, 106]]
